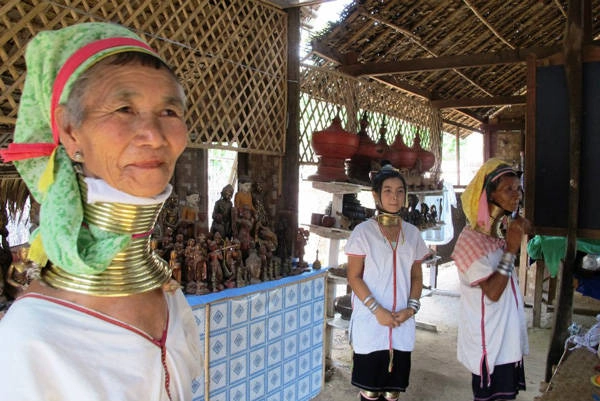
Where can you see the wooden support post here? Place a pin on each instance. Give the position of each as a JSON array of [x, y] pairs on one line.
[[523, 265], [329, 314], [290, 187], [540, 267], [573, 44], [458, 155]]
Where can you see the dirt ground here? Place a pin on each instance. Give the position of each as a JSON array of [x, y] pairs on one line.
[[436, 375]]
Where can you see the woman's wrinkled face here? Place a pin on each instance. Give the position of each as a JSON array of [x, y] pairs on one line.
[[393, 195], [133, 128], [508, 193]]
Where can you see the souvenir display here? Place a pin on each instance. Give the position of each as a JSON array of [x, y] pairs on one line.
[[241, 247]]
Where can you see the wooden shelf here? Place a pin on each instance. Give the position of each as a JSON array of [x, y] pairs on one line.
[[432, 192], [338, 323], [330, 232], [436, 227], [332, 278], [338, 187]]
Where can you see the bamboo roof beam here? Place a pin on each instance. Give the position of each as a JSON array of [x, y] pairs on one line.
[[478, 102], [447, 62], [487, 24], [405, 32], [560, 7], [417, 40]]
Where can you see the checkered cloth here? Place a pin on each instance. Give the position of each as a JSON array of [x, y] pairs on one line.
[[472, 245]]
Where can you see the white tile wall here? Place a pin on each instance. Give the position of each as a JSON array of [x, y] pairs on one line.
[[265, 345]]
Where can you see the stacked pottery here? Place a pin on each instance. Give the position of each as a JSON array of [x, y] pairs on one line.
[[395, 156], [406, 157], [359, 165], [333, 145], [425, 159]]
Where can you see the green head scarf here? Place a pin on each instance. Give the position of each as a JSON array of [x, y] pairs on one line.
[[55, 59]]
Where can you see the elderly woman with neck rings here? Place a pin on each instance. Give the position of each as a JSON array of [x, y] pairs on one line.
[[384, 272], [492, 331], [100, 127]]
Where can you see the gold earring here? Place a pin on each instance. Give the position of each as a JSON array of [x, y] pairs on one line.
[[78, 156]]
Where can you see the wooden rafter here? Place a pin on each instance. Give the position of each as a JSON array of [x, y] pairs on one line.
[[459, 125], [417, 41], [335, 57], [470, 115], [487, 24], [478, 102], [560, 7], [410, 89], [447, 62], [365, 13]]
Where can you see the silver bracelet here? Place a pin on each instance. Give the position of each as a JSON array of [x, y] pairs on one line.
[[373, 307], [505, 269], [506, 264], [414, 304], [509, 258]]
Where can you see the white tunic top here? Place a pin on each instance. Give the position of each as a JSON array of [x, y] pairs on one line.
[[504, 335], [55, 350], [367, 240]]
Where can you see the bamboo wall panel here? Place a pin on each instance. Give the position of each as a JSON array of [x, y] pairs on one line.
[[230, 55]]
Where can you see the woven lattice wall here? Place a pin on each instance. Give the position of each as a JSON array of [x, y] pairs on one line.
[[231, 56], [326, 93]]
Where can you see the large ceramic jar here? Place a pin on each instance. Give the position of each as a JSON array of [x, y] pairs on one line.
[[367, 148], [405, 156], [395, 156], [335, 142], [333, 145], [425, 158], [359, 165]]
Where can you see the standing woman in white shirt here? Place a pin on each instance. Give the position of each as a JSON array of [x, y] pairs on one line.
[[492, 330], [384, 272]]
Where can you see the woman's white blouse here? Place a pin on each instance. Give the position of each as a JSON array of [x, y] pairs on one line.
[[367, 240]]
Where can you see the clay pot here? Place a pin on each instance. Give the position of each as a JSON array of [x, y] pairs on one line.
[[334, 142], [367, 148], [404, 156], [329, 169], [394, 155], [425, 158], [328, 221], [359, 165], [333, 145], [316, 218], [343, 305]]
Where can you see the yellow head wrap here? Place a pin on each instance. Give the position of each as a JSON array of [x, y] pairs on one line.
[[472, 197]]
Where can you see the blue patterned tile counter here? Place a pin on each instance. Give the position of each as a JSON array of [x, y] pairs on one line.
[[264, 341]]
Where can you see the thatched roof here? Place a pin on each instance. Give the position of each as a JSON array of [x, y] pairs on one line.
[[467, 57]]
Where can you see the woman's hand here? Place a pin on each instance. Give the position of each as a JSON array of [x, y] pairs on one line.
[[514, 233], [392, 319]]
